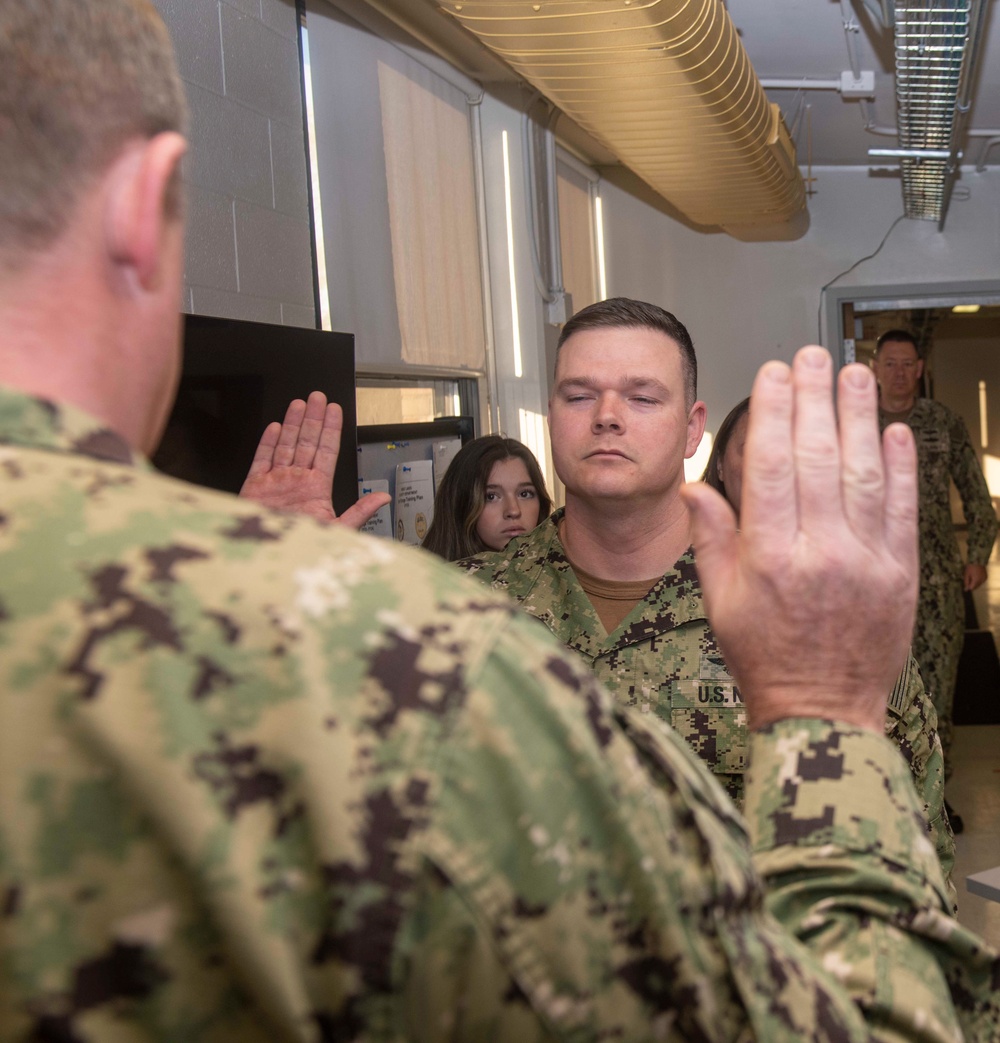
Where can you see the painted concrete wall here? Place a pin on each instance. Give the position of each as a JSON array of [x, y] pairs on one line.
[[249, 253], [249, 250]]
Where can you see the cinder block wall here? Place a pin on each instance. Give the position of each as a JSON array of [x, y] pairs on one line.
[[248, 253]]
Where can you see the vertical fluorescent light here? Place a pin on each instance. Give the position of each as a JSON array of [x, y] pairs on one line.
[[984, 430], [324, 292], [510, 259], [532, 430], [602, 275], [456, 405]]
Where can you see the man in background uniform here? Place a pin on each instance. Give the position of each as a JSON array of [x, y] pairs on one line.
[[945, 454], [613, 575], [263, 780]]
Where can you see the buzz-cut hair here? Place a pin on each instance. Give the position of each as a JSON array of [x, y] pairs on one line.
[[80, 79], [625, 313], [896, 337]]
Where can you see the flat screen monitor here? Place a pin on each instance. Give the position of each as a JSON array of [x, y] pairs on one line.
[[237, 377]]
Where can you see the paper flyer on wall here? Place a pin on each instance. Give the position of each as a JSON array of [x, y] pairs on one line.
[[381, 523], [414, 501], [444, 452]]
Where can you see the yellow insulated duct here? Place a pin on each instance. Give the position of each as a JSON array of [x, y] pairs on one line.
[[667, 87]]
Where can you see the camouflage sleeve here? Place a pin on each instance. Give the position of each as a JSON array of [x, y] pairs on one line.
[[911, 723], [592, 881], [977, 506], [840, 842]]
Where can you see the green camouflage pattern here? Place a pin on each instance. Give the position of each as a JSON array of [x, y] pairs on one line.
[[664, 659], [263, 781], [945, 454]]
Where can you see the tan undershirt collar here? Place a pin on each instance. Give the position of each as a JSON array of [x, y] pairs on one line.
[[613, 600]]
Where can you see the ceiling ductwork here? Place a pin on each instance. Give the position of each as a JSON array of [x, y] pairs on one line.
[[667, 87]]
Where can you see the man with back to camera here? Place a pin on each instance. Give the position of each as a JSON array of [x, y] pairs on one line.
[[945, 455], [261, 780]]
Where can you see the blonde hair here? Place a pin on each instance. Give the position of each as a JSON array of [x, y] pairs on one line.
[[80, 79]]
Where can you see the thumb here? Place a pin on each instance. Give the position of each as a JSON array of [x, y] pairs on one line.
[[713, 535], [367, 507]]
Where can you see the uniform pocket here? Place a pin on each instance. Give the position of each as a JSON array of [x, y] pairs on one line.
[[709, 714]]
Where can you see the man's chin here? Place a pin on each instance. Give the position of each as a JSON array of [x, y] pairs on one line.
[[607, 490]]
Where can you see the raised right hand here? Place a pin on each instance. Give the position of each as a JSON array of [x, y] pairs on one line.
[[813, 599], [295, 461]]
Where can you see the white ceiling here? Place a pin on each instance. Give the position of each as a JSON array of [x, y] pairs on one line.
[[806, 38]]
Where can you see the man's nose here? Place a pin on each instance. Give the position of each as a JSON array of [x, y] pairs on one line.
[[607, 415]]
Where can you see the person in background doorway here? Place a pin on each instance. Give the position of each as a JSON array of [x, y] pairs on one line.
[[945, 454], [911, 720], [492, 491]]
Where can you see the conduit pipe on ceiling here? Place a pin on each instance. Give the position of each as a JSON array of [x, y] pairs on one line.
[[987, 145], [667, 86], [799, 83]]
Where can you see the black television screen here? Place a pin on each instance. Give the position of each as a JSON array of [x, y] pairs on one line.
[[237, 377]]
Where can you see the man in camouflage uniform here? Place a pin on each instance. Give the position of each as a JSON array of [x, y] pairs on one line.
[[945, 454], [262, 780], [645, 634]]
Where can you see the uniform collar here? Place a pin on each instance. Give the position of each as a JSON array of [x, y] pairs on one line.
[[41, 424]]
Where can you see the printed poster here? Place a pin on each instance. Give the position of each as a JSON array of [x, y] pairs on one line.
[[414, 500], [444, 453], [381, 523]]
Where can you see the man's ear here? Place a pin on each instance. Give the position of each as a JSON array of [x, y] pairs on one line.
[[695, 428], [140, 206], [920, 368]]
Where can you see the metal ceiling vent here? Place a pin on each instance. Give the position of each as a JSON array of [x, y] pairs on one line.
[[668, 88], [937, 43]]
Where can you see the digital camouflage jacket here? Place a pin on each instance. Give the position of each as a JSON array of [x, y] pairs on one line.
[[266, 781]]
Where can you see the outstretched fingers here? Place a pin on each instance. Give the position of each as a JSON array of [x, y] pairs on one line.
[[879, 476], [288, 439], [309, 436], [817, 448], [900, 516], [304, 430], [768, 512], [263, 457], [862, 482], [327, 449]]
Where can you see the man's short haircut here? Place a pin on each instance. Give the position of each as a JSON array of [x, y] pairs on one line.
[[78, 80], [896, 337], [624, 313]]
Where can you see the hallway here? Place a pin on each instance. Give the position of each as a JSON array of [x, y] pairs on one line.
[[974, 789]]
